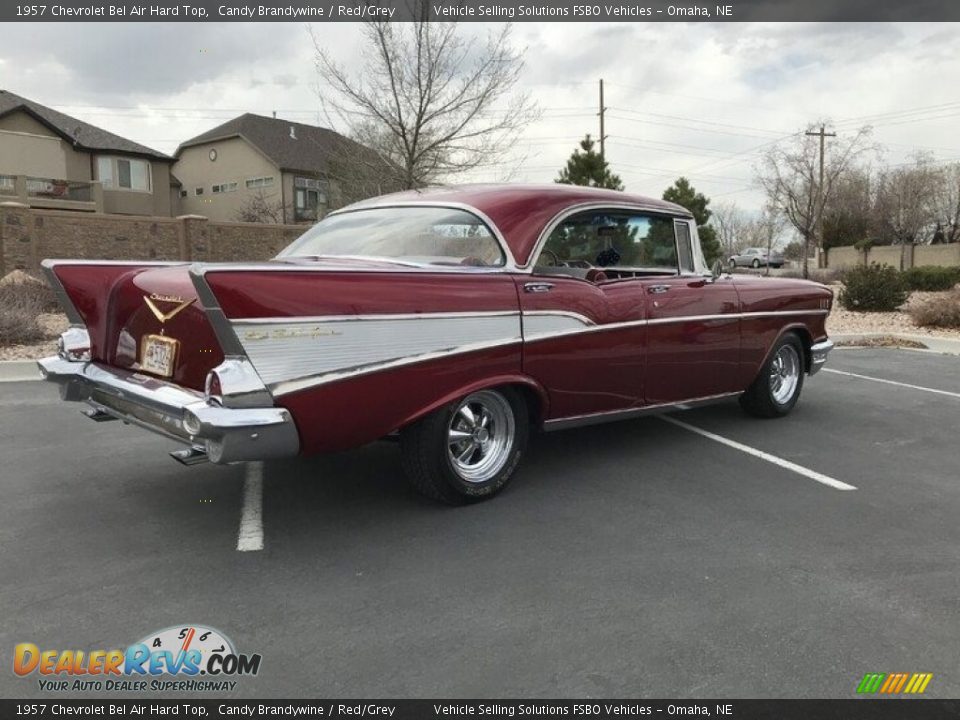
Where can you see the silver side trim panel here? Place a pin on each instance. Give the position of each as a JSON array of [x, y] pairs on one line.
[[296, 354], [610, 416]]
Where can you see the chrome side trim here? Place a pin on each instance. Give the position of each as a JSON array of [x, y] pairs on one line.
[[537, 335], [586, 207], [371, 317], [222, 328], [818, 355], [611, 415], [290, 386]]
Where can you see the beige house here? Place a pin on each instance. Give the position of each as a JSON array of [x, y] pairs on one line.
[[52, 160], [261, 169]]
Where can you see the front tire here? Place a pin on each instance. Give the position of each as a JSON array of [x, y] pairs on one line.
[[777, 387], [755, 264], [468, 450]]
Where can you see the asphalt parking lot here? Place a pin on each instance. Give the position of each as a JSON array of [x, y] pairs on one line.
[[633, 559]]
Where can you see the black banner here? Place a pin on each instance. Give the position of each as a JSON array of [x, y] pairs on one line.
[[479, 10], [892, 709]]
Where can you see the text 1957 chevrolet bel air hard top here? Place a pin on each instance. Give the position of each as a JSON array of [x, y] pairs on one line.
[[459, 318]]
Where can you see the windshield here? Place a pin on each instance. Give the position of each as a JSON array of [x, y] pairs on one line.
[[422, 235]]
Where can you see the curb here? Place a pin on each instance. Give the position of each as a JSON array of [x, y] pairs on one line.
[[934, 344], [19, 370]]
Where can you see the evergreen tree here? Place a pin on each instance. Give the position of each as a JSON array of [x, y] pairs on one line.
[[684, 194], [586, 167]]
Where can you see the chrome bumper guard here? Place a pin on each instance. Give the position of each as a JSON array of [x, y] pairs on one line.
[[818, 355], [225, 434]]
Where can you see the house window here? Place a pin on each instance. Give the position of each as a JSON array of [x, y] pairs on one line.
[[7, 182], [116, 173], [198, 191], [308, 198], [183, 193], [260, 182], [224, 188]]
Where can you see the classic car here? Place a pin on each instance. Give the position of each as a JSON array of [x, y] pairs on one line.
[[756, 257], [457, 320]]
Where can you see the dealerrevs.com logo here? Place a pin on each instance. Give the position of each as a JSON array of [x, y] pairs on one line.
[[182, 658]]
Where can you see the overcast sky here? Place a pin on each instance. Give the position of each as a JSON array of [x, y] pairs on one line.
[[700, 100]]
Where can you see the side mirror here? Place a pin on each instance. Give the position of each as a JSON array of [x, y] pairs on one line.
[[717, 269]]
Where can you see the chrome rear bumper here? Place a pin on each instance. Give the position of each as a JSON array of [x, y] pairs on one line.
[[818, 355], [224, 434]]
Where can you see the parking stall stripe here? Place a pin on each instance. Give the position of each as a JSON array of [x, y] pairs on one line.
[[786, 464], [250, 537], [893, 382]]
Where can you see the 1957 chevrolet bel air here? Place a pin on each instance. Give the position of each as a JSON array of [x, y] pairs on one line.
[[460, 319]]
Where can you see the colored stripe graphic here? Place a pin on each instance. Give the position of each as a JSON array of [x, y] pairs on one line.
[[894, 683]]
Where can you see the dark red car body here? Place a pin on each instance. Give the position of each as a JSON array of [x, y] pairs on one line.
[[583, 351]]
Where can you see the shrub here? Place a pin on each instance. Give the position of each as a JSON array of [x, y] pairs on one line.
[[875, 288], [930, 277], [23, 299], [939, 312]]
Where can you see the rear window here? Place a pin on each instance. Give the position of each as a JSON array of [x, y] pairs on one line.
[[421, 235]]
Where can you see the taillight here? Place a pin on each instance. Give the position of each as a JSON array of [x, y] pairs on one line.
[[212, 387]]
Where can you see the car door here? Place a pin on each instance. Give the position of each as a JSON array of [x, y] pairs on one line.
[[693, 331], [583, 323]]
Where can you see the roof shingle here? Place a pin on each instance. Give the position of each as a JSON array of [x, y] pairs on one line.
[[82, 135], [289, 145]]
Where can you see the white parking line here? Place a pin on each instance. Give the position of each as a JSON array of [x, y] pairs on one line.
[[786, 464], [250, 537], [893, 382]]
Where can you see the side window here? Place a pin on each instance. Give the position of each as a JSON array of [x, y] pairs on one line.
[[684, 246], [620, 240]]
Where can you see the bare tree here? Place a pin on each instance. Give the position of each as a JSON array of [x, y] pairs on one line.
[[849, 215], [429, 101], [730, 222], [905, 200], [947, 203], [258, 208], [790, 177]]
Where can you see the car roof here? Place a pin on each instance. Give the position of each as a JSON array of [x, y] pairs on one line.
[[520, 212]]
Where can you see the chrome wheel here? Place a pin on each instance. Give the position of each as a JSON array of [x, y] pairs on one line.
[[480, 436], [785, 374]]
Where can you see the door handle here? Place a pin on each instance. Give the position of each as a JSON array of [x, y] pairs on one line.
[[657, 289], [538, 287]]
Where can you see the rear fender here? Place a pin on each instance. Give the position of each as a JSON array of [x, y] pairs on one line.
[[531, 389], [84, 290]]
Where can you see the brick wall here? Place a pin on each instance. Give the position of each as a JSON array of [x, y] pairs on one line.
[[28, 235]]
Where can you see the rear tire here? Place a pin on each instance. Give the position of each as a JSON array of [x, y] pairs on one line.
[[468, 450], [777, 386]]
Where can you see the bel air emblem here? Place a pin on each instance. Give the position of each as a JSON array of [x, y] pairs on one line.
[[162, 316]]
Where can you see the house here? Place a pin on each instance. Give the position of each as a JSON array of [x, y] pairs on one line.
[[263, 169], [52, 160]]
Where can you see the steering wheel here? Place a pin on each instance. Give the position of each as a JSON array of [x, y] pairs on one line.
[[473, 262], [551, 256]]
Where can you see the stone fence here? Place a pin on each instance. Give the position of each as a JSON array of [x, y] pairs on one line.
[[902, 257], [28, 235]]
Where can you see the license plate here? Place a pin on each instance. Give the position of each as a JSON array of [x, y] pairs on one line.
[[158, 354]]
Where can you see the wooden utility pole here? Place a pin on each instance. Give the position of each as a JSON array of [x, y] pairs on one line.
[[603, 137], [823, 135]]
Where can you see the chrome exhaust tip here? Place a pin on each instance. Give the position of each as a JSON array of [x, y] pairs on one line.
[[190, 456]]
